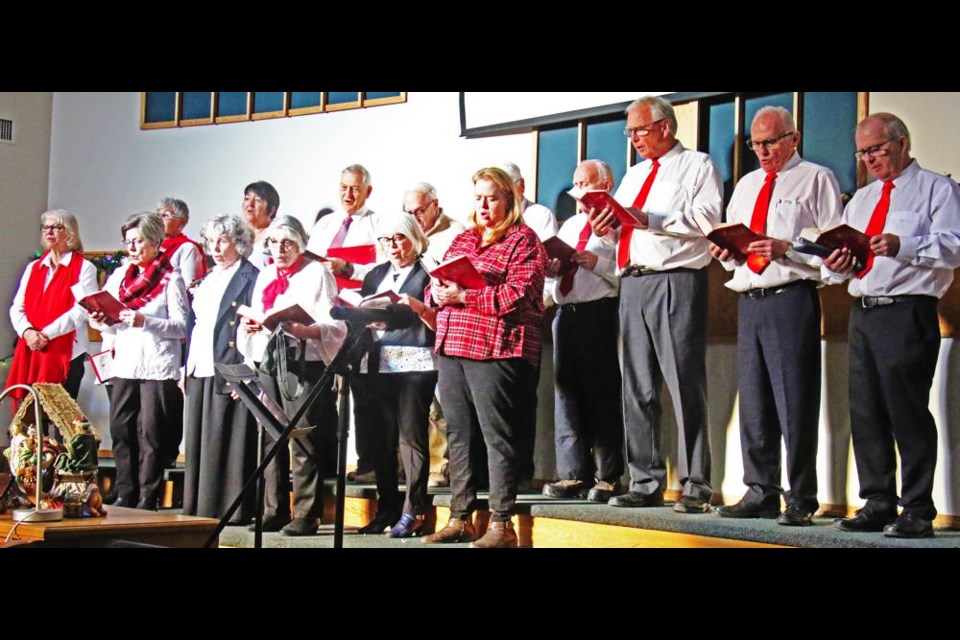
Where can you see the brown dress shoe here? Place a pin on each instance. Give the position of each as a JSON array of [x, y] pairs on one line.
[[457, 530], [499, 535]]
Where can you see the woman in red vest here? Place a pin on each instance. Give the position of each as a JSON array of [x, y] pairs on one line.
[[184, 254], [52, 327]]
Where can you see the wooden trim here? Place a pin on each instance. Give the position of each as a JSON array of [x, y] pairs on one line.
[[302, 111], [863, 110], [581, 141], [245, 117], [374, 102], [166, 124], [739, 110], [536, 168], [340, 106]]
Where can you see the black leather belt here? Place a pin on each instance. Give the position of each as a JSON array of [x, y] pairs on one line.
[[759, 294], [591, 304], [869, 302], [633, 271]]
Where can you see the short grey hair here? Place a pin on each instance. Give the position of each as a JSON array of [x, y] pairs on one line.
[[232, 226], [893, 126], [405, 224], [606, 173], [179, 207], [511, 170], [150, 225], [360, 170], [425, 188], [69, 222], [290, 227], [659, 109], [784, 114]]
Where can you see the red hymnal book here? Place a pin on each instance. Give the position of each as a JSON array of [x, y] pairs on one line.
[[293, 313], [359, 254], [461, 271], [557, 249], [99, 301], [603, 200], [376, 301], [823, 243], [735, 237]]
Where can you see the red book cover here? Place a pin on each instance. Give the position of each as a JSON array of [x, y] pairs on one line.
[[846, 236], [461, 271], [293, 313], [360, 254], [103, 302], [603, 200], [735, 238], [557, 249]]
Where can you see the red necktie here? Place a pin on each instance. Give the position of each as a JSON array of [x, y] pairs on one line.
[[623, 250], [566, 283], [341, 236], [758, 223], [877, 220]]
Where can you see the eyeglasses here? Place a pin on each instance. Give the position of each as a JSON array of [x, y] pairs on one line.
[[135, 242], [51, 227], [285, 245], [876, 151], [642, 131], [166, 215], [419, 211], [396, 240], [771, 144]]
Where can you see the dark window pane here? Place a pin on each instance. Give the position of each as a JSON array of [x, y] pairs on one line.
[[829, 118], [232, 103], [720, 138], [196, 105], [373, 95], [342, 97], [302, 99], [558, 159], [750, 108], [266, 101], [605, 142], [161, 106]]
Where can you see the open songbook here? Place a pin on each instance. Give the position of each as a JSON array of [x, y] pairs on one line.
[[735, 237], [382, 300], [460, 271], [603, 200], [270, 320], [823, 243], [94, 301]]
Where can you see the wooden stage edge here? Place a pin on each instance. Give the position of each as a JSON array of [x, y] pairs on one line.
[[120, 523]]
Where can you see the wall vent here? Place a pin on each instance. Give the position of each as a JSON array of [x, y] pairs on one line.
[[6, 131]]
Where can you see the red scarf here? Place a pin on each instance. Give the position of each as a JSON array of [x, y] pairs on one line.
[[141, 286], [170, 245], [280, 284], [43, 306]]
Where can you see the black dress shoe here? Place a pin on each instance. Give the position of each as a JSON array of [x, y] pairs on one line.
[[796, 515], [633, 499], [148, 504], [747, 509], [380, 522], [865, 520], [909, 525], [301, 527], [271, 523], [124, 501], [691, 504]]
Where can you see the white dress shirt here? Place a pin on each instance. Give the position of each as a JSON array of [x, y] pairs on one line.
[[588, 285], [206, 309], [314, 288], [363, 231], [187, 259], [687, 181], [540, 219], [150, 352], [804, 195], [925, 213], [73, 320]]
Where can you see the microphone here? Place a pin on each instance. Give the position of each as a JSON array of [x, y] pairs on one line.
[[394, 316]]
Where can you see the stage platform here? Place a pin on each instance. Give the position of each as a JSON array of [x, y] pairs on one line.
[[548, 523]]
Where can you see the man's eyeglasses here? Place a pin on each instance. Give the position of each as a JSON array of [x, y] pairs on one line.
[[771, 144], [642, 131], [419, 211], [51, 227], [396, 240], [166, 215], [876, 151]]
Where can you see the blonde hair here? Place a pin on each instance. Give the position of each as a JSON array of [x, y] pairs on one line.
[[69, 222], [504, 184]]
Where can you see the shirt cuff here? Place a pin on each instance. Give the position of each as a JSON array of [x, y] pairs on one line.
[[908, 249], [656, 221]]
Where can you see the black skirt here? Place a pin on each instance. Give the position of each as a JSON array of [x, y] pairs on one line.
[[220, 452]]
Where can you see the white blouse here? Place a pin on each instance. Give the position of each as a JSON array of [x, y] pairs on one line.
[[150, 352], [206, 309]]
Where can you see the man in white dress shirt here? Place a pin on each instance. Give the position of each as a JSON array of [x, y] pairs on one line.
[[536, 216], [778, 343], [663, 303], [354, 225], [588, 422], [913, 219]]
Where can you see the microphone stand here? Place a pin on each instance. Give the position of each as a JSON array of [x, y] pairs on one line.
[[359, 339]]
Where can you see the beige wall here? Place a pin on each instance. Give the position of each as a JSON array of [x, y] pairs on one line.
[[932, 120], [24, 169]]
